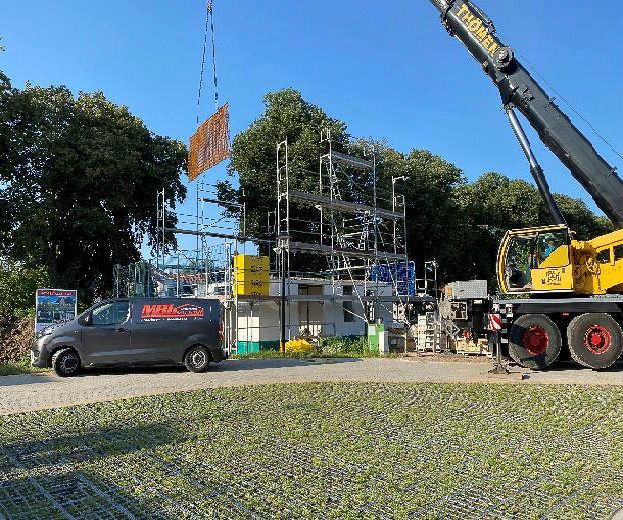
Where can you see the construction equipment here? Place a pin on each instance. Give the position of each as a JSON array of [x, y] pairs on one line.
[[583, 280]]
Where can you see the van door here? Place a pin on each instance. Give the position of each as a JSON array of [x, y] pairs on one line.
[[106, 335]]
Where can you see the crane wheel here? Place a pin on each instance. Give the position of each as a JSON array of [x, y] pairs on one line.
[[534, 341], [595, 340]]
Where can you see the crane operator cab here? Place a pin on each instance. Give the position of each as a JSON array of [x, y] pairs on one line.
[[535, 259]]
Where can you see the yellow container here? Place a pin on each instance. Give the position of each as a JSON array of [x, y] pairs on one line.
[[251, 275], [248, 263], [243, 276], [252, 288]]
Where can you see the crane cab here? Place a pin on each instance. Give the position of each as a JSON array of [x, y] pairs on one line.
[[535, 260]]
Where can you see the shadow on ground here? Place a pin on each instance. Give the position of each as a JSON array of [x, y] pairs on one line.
[[51, 476], [226, 366], [26, 379]]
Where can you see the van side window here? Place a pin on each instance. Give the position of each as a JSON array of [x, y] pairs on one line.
[[113, 313]]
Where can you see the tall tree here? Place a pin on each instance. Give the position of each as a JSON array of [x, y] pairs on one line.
[[434, 217], [78, 177], [448, 219], [254, 159]]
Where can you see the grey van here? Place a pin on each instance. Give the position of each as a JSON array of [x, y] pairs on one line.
[[124, 332]]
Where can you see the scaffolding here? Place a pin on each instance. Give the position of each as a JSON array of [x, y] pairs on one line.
[[348, 222], [339, 250], [201, 266], [135, 280]]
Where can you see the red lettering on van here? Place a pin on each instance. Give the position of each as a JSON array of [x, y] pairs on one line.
[[170, 311]]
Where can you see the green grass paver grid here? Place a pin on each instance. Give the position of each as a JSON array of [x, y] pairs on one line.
[[322, 451]]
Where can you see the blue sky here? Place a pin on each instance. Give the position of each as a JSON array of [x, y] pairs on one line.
[[386, 68]]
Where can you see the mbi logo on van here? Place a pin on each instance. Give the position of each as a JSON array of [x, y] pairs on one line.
[[171, 312]]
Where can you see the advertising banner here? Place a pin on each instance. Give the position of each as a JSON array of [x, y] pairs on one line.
[[55, 306]]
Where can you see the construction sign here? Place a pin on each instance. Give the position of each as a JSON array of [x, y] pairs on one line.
[[54, 306], [210, 144]]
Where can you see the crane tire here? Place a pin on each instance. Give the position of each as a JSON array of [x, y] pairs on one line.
[[595, 340], [534, 341]]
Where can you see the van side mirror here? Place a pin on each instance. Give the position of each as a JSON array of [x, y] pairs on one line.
[[87, 320]]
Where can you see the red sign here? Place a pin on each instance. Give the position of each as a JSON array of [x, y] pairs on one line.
[[495, 322], [53, 292], [168, 311]]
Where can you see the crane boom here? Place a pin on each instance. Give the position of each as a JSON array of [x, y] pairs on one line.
[[518, 89]]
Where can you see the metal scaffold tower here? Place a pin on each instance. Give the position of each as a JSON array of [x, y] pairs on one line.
[[360, 232], [197, 267]]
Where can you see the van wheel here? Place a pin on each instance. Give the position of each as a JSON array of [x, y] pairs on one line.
[[197, 359], [595, 340], [534, 341], [66, 362]]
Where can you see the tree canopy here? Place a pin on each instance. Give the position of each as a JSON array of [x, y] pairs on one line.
[[78, 177], [287, 116]]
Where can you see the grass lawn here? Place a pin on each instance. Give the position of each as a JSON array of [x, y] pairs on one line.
[[322, 451], [22, 367]]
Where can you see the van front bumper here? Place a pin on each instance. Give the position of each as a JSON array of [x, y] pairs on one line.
[[38, 354], [36, 361]]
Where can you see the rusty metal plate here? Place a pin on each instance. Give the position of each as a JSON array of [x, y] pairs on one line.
[[210, 144]]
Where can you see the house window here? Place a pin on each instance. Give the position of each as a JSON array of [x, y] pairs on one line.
[[349, 317]]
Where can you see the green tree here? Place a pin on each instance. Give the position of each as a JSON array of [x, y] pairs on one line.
[[435, 224], [254, 159], [581, 219], [18, 285], [78, 177], [448, 219], [493, 204]]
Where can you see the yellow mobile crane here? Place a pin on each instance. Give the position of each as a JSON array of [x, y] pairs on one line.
[[571, 291]]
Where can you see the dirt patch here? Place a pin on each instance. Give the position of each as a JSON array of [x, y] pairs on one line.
[[16, 337]]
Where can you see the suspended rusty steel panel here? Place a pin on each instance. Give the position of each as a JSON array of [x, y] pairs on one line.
[[210, 144]]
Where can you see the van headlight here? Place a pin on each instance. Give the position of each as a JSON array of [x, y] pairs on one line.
[[45, 332]]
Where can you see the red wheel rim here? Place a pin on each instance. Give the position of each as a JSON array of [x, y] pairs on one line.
[[597, 339], [535, 340]]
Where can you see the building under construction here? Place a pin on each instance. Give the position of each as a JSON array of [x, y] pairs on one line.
[[336, 257]]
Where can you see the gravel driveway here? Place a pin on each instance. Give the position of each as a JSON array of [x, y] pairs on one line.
[[46, 390]]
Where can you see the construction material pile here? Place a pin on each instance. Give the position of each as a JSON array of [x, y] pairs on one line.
[[16, 337]]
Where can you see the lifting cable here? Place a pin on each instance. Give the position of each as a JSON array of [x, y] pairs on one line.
[[576, 111], [573, 109], [215, 78], [209, 28]]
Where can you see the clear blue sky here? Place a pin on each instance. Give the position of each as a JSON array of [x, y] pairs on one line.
[[386, 68]]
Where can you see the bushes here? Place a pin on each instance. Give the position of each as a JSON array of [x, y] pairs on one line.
[[329, 347], [17, 308], [17, 289], [347, 346], [16, 337]]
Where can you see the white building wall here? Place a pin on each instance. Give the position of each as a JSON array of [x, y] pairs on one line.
[[325, 318]]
